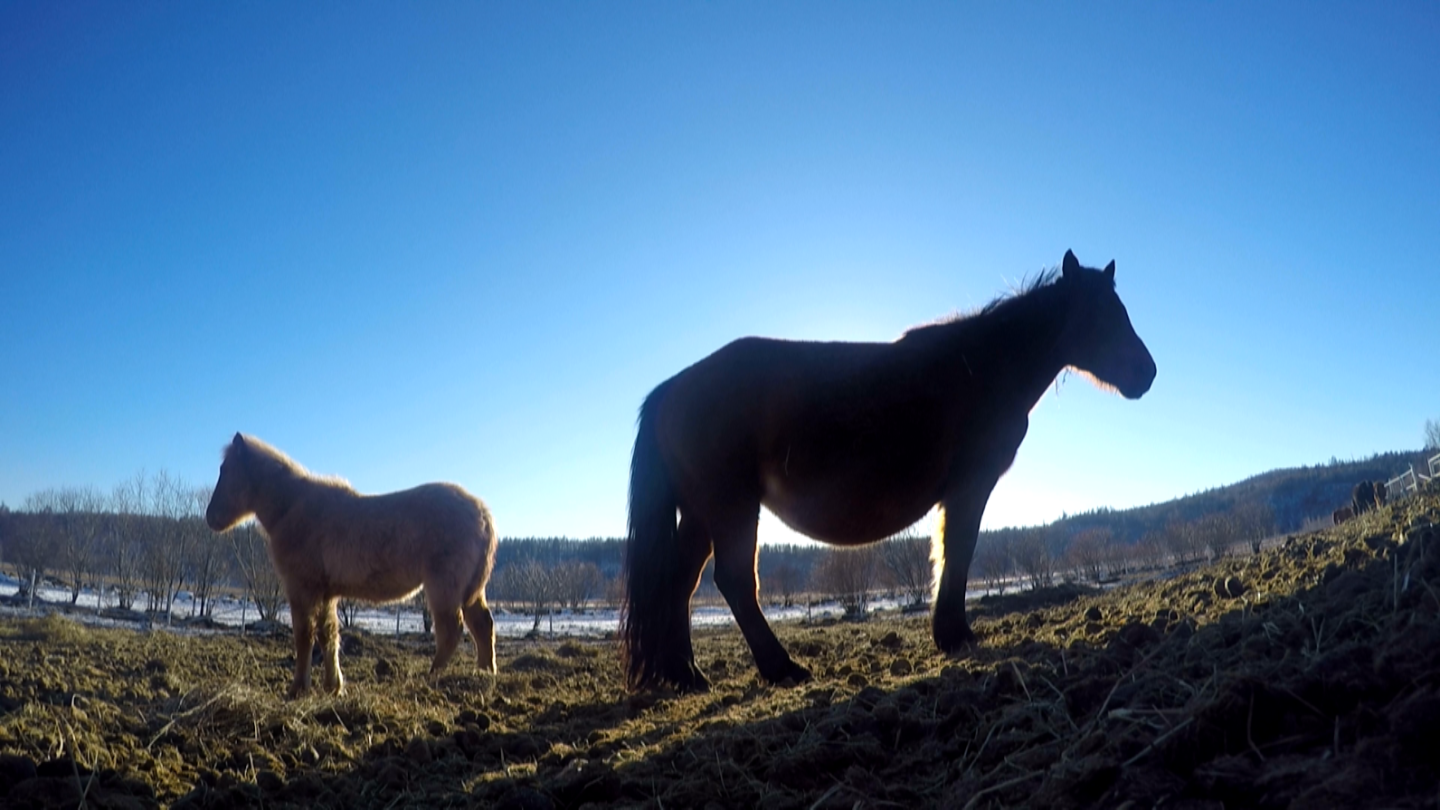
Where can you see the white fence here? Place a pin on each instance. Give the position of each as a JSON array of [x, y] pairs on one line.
[[1409, 482]]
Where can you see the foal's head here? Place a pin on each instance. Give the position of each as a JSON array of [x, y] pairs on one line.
[[233, 500], [1098, 338]]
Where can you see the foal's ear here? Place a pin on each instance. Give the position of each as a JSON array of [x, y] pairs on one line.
[[1069, 265], [239, 440], [1110, 271]]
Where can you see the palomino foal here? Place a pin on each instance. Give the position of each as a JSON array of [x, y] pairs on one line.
[[328, 541]]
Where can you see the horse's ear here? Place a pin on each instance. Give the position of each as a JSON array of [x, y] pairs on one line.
[[1069, 265], [1110, 271]]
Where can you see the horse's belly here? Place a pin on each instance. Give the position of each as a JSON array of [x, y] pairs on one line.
[[841, 517]]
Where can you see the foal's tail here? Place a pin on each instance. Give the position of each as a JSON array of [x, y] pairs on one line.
[[651, 556]]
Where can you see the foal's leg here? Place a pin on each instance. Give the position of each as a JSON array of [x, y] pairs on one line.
[[332, 680], [735, 550], [445, 609], [302, 620], [482, 630]]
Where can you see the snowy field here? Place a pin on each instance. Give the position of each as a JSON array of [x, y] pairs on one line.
[[383, 620]]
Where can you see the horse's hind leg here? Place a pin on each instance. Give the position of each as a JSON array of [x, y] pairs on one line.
[[446, 614], [332, 680], [735, 551], [678, 666], [482, 630]]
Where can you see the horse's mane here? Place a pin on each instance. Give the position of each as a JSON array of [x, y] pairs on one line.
[[1026, 289], [257, 448]]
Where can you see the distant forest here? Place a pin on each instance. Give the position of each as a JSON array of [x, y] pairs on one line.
[[145, 542]]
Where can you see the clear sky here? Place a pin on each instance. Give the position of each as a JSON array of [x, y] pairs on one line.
[[461, 241]]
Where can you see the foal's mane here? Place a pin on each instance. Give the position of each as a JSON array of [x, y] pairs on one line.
[[272, 458]]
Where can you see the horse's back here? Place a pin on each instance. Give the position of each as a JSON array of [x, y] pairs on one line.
[[819, 432]]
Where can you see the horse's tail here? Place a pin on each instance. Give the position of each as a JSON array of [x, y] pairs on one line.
[[651, 555]]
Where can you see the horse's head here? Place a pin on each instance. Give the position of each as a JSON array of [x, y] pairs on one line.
[[232, 500], [1098, 338]]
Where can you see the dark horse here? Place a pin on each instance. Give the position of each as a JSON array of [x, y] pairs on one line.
[[847, 443]]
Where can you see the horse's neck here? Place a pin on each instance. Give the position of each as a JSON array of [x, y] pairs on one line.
[[1017, 352], [278, 497]]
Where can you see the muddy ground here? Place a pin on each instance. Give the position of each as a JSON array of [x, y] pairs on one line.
[[1306, 676]]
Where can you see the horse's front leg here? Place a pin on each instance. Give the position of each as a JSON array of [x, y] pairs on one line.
[[332, 680], [960, 516]]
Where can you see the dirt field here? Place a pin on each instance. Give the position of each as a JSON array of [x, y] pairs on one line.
[[1307, 676]]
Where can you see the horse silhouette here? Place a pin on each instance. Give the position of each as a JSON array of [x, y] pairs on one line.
[[847, 443]]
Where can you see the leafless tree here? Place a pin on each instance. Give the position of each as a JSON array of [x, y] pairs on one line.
[[907, 556], [206, 560], [848, 574], [77, 521], [349, 612], [993, 561], [252, 562], [36, 546], [787, 581], [531, 584], [1150, 551], [577, 582], [1253, 521], [168, 544], [1184, 541], [125, 540], [1216, 534], [1031, 551], [1432, 434], [1089, 552], [7, 529]]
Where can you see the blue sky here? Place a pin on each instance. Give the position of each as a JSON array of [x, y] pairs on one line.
[[414, 242]]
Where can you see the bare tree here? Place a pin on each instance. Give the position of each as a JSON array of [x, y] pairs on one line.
[[577, 582], [1150, 550], [168, 543], [1253, 522], [349, 612], [125, 541], [907, 556], [787, 581], [1089, 552], [1432, 434], [36, 546], [7, 530], [206, 556], [848, 574], [1218, 533], [1033, 559], [1185, 541], [252, 560], [76, 515], [993, 561], [530, 583]]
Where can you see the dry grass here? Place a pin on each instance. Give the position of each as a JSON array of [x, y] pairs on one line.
[[1306, 675]]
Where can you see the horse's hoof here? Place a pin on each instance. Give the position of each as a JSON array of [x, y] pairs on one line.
[[693, 683], [792, 674], [958, 645]]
